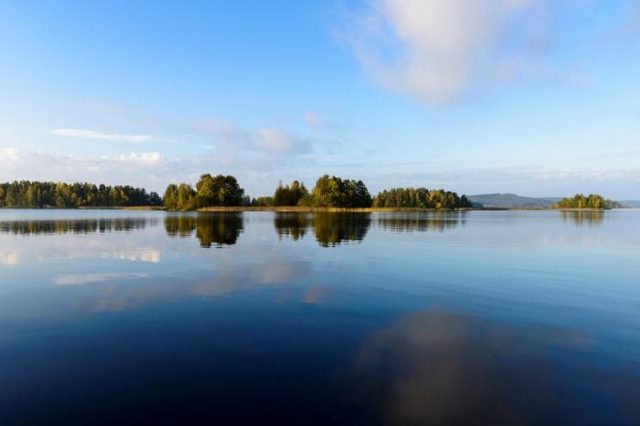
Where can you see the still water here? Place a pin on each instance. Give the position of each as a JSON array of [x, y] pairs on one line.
[[115, 317]]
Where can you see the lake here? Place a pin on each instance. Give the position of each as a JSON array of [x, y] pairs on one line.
[[481, 317]]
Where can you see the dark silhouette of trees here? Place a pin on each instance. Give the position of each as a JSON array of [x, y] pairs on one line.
[[332, 228], [291, 224], [420, 221], [579, 201], [290, 195], [49, 194], [210, 228], [420, 198], [75, 226]]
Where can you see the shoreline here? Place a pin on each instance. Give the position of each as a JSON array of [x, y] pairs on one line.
[[304, 209]]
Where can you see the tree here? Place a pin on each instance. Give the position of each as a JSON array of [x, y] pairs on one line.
[[170, 198], [206, 192], [289, 195], [186, 197]]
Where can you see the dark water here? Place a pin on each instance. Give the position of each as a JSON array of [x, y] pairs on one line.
[[477, 318]]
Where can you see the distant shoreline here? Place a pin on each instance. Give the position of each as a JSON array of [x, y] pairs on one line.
[[305, 209]]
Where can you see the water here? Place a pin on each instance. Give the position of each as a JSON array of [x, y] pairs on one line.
[[115, 317]]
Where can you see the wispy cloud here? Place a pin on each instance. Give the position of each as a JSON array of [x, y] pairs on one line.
[[437, 49], [314, 120], [92, 134], [268, 141], [139, 168], [9, 155], [145, 159]]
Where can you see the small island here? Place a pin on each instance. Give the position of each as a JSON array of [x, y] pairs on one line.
[[582, 202]]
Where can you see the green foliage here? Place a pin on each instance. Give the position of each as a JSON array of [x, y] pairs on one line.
[[64, 195], [210, 191], [420, 198], [579, 201], [179, 197], [332, 191], [262, 202], [218, 191], [289, 195]]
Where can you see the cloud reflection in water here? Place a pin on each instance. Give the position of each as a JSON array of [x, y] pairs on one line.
[[440, 368]]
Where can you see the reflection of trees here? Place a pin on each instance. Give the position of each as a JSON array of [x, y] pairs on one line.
[[75, 226], [420, 221], [180, 225], [583, 217], [291, 224], [334, 228], [210, 228], [436, 368]]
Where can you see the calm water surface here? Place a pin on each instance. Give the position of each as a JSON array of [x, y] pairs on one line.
[[114, 317]]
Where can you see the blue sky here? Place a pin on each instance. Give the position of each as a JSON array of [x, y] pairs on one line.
[[527, 96]]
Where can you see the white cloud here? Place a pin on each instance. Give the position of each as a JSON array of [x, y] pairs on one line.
[[275, 141], [139, 169], [92, 134], [267, 141], [437, 49], [9, 154], [144, 159]]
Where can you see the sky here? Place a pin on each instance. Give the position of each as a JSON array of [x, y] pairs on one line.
[[534, 97]]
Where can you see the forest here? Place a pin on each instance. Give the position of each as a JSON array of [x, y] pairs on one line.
[[422, 198], [329, 191], [209, 191], [63, 195]]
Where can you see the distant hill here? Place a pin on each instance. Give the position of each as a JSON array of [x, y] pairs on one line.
[[512, 201], [634, 204]]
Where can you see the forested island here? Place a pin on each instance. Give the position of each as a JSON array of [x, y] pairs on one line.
[[328, 192], [580, 201], [211, 192]]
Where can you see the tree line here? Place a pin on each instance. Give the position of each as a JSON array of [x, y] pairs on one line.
[[332, 191], [592, 201], [63, 195], [422, 198], [211, 191]]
